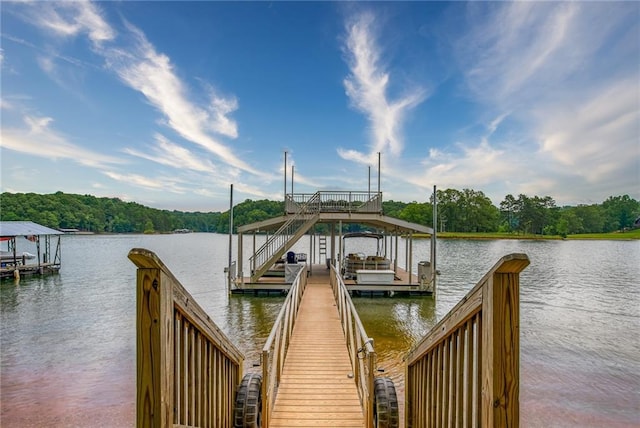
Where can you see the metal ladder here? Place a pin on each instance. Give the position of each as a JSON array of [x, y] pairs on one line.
[[322, 248]]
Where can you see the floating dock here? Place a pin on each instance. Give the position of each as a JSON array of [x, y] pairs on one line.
[[332, 212]]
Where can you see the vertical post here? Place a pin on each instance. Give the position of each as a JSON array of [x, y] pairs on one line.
[[434, 242], [240, 257], [409, 271], [154, 339], [310, 255], [395, 256], [229, 274], [293, 168], [333, 242], [378, 174], [501, 346], [369, 188], [285, 182], [340, 242]]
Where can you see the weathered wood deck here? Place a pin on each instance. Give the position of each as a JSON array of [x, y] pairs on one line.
[[404, 283], [317, 388]]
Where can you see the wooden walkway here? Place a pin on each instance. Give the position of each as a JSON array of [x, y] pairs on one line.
[[317, 388]]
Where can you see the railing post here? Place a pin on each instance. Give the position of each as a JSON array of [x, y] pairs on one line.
[[501, 346], [153, 354], [371, 370]]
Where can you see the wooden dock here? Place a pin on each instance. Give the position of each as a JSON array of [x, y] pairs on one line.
[[404, 284], [317, 387]]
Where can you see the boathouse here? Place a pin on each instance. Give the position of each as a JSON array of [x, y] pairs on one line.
[[30, 249], [273, 265]]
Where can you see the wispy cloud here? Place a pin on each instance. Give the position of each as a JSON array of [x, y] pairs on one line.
[[152, 73], [170, 154], [367, 88], [566, 73], [140, 66], [597, 138], [38, 138], [71, 19], [161, 183], [470, 165]]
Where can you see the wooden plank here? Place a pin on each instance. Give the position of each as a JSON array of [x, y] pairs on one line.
[[317, 388]]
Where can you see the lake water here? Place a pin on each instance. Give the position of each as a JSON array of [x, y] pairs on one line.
[[67, 342]]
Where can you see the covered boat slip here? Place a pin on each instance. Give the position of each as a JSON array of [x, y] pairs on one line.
[[43, 243], [377, 272]]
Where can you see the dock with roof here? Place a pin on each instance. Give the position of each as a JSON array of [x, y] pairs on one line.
[[273, 265], [43, 243]]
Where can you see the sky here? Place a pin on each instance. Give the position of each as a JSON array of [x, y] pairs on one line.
[[169, 103]]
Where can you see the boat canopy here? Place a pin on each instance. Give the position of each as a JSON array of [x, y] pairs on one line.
[[10, 229]]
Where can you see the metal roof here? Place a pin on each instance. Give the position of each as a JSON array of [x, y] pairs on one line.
[[26, 228], [376, 220]]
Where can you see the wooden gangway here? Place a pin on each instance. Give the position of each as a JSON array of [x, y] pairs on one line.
[[318, 365], [317, 387]]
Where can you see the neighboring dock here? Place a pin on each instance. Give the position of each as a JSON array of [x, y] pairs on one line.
[[22, 235]]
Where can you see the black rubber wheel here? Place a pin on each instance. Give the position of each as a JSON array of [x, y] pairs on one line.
[[385, 404], [247, 409]]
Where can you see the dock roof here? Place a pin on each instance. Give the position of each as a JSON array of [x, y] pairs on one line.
[[25, 228], [375, 220]]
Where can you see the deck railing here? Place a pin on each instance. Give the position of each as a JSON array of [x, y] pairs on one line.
[[336, 201], [359, 345], [465, 371], [275, 348], [187, 369]]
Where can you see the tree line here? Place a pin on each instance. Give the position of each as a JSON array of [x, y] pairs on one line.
[[464, 210]]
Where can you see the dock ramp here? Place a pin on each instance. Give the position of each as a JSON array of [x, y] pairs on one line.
[[318, 364]]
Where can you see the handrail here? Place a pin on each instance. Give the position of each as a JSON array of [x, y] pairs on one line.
[[275, 348], [281, 236], [359, 345], [465, 371], [187, 369], [336, 201]]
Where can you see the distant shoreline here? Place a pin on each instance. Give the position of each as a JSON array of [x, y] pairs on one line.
[[630, 235]]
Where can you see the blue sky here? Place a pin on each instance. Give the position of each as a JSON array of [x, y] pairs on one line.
[[168, 103]]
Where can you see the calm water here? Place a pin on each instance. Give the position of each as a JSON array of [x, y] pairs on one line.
[[68, 340]]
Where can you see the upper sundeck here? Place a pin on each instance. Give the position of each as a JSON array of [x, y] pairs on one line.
[[338, 201]]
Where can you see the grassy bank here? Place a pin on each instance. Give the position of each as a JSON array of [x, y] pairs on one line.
[[632, 234]]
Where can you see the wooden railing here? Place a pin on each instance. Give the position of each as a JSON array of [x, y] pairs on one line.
[[465, 371], [187, 369], [336, 201], [359, 345], [275, 348]]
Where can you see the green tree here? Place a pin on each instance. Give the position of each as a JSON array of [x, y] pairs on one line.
[[621, 212]]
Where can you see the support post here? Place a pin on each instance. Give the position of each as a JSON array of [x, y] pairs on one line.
[[501, 346], [285, 182], [229, 273], [434, 242], [378, 174], [240, 256]]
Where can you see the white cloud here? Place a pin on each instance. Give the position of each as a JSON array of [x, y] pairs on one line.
[[72, 18], [468, 167], [567, 74], [39, 139], [598, 137], [367, 88], [137, 63], [168, 153], [152, 74], [165, 184]]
